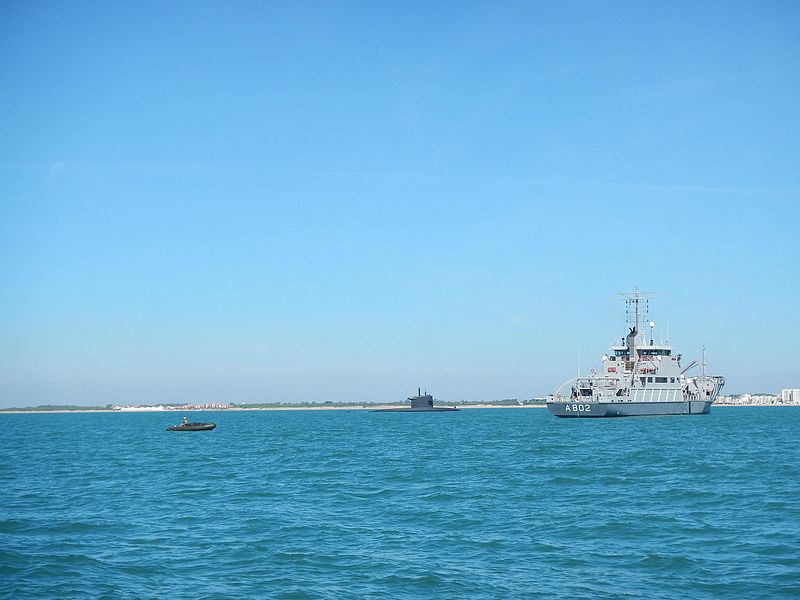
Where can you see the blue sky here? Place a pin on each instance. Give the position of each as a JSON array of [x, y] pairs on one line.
[[310, 201]]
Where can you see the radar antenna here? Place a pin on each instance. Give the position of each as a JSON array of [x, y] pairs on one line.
[[637, 307]]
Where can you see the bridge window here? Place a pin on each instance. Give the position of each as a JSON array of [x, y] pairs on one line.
[[642, 379], [661, 380]]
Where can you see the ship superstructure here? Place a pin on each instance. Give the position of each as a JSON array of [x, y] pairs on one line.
[[639, 377]]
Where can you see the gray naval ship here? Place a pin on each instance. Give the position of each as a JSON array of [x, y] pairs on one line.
[[420, 403], [638, 378]]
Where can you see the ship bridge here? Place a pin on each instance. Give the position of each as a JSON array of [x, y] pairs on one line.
[[654, 351]]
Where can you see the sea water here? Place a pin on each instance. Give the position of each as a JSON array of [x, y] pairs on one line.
[[502, 503]]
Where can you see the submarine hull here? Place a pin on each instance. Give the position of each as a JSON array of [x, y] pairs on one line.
[[436, 409]]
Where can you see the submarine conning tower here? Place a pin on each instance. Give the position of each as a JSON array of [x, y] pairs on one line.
[[421, 400]]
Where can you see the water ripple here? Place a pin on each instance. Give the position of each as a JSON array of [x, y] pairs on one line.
[[476, 504]]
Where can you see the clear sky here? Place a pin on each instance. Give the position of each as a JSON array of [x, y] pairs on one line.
[[311, 201]]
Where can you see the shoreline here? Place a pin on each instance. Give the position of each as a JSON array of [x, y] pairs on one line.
[[297, 408], [260, 408]]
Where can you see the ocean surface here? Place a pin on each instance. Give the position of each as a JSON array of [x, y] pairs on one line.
[[502, 503]]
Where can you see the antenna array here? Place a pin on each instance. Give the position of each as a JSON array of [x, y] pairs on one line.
[[637, 307]]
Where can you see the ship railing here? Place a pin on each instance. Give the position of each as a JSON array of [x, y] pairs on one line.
[[581, 399], [596, 384], [608, 382]]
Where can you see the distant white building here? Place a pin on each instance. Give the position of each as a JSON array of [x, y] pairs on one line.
[[790, 396]]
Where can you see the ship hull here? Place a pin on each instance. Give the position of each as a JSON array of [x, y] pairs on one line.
[[192, 427], [627, 409]]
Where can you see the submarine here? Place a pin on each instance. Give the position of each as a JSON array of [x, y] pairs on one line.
[[419, 403]]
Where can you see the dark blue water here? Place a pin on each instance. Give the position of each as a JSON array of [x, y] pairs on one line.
[[334, 504]]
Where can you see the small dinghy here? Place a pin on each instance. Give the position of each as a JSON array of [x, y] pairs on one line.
[[186, 426]]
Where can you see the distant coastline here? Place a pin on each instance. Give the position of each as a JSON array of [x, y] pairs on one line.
[[57, 409], [367, 407]]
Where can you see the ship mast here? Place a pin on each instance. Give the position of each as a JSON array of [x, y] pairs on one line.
[[635, 314], [637, 307], [703, 364]]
